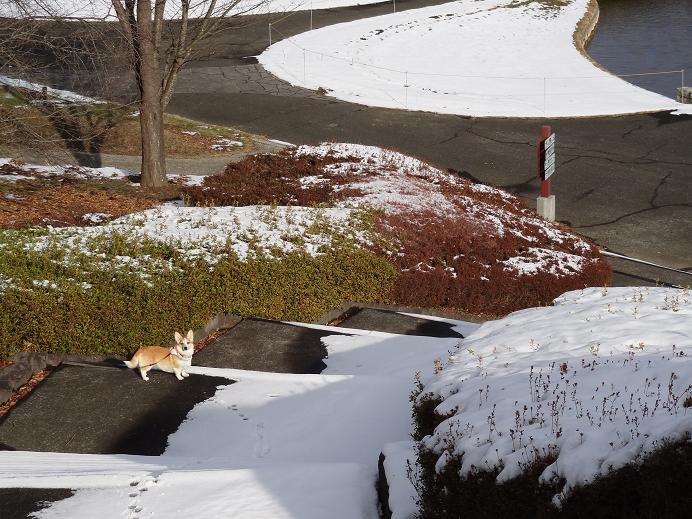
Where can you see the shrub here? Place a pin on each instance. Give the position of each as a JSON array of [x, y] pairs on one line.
[[59, 302], [446, 495], [655, 487], [453, 256]]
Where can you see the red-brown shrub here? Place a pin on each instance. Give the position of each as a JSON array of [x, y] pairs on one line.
[[447, 236]]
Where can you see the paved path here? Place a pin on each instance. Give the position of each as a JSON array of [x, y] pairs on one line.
[[118, 413], [107, 409], [624, 181]]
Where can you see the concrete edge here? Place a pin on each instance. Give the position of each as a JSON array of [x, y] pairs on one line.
[[215, 324], [586, 27], [351, 306], [26, 364]]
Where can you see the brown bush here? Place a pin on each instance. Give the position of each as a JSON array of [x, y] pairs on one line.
[[446, 258], [62, 204], [270, 179], [442, 244]]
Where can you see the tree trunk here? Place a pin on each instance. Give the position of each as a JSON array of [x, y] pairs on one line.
[[149, 81], [151, 125]]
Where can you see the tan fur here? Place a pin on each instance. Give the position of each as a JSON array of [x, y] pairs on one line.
[[172, 360]]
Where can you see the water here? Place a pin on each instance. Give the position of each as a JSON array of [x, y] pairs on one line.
[[635, 36]]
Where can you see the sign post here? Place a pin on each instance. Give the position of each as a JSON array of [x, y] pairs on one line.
[[545, 203]]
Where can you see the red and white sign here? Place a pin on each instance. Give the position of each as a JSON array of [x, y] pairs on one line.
[[547, 157]]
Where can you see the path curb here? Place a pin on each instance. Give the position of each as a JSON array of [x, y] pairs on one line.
[[25, 365]]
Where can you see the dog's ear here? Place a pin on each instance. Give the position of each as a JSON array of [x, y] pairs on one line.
[[178, 338], [190, 336]]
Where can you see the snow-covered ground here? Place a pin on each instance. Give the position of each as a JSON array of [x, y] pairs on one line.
[[598, 380], [209, 232], [270, 445], [469, 57], [17, 170], [63, 95]]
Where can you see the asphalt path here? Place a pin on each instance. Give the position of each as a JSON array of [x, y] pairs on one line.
[[624, 181]]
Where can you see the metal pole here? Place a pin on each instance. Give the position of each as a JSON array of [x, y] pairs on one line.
[[682, 72], [270, 34], [544, 96], [310, 15], [394, 1], [406, 90]]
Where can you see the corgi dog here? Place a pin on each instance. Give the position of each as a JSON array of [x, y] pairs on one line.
[[172, 360]]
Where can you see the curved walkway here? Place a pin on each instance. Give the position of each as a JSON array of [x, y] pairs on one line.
[[624, 181]]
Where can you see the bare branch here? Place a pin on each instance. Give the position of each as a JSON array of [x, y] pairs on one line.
[[123, 15]]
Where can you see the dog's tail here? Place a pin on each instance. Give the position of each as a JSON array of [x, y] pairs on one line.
[[133, 363]]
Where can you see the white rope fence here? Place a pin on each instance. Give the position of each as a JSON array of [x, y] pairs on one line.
[[402, 81]]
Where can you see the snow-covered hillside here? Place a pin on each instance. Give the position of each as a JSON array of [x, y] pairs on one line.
[[598, 380]]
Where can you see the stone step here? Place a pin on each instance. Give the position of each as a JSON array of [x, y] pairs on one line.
[[20, 503], [103, 410], [263, 345], [375, 319]]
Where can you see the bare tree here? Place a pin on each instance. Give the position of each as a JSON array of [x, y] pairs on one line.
[[160, 36], [35, 49]]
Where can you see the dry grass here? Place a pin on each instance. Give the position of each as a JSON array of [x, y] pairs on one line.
[[105, 129], [124, 139], [64, 201], [23, 391], [269, 178]]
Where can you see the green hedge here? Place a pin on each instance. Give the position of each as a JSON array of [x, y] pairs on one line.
[[123, 310]]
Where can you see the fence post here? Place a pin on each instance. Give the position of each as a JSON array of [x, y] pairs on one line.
[[394, 1], [406, 90], [270, 34], [310, 15], [544, 95]]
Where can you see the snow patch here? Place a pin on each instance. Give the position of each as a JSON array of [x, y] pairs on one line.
[[63, 95]]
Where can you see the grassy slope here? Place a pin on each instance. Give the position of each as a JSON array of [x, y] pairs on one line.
[[101, 128]]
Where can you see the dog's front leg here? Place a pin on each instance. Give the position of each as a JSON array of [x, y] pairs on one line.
[[178, 374], [184, 373], [143, 372]]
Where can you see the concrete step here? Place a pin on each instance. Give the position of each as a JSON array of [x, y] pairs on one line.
[[20, 503], [263, 345], [366, 318], [106, 408], [103, 410]]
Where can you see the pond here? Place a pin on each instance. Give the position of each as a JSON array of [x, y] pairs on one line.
[[639, 36]]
